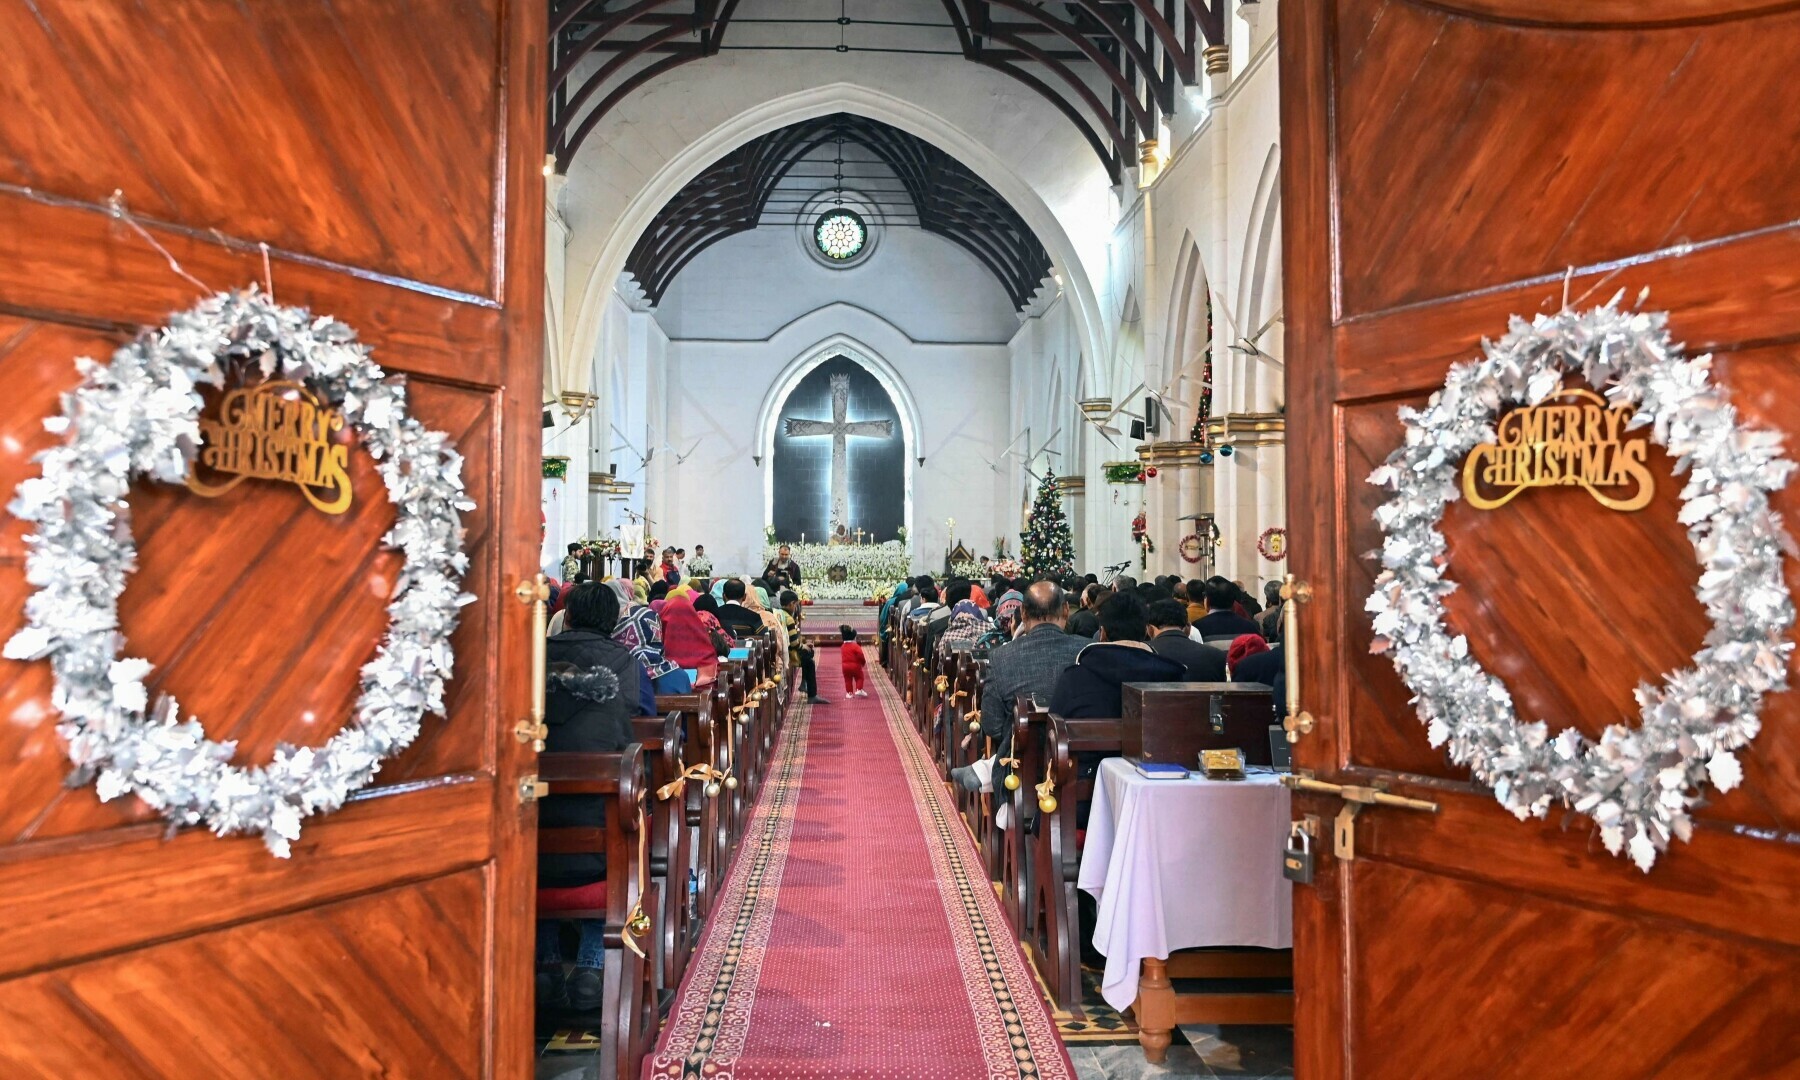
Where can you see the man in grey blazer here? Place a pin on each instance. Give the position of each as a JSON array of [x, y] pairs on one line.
[[1028, 664]]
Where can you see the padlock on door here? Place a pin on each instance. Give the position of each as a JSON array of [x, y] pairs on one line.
[[1297, 861]]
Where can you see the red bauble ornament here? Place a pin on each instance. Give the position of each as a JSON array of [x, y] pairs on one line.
[[1151, 471]]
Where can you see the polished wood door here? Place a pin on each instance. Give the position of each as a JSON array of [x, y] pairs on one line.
[[388, 155], [1444, 164]]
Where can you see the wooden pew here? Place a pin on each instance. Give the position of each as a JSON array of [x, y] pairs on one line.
[[699, 813], [629, 1010], [723, 835], [1031, 735], [676, 852], [1055, 854], [962, 746], [733, 731]]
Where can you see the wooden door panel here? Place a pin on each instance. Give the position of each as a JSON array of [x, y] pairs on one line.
[[87, 899], [445, 337], [1692, 1000], [189, 1008], [363, 134], [1441, 172], [1543, 611], [210, 574], [374, 147], [1445, 111]]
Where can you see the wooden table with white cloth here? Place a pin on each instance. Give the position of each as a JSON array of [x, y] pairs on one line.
[[1180, 864]]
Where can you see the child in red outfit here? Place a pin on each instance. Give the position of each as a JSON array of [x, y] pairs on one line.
[[854, 663]]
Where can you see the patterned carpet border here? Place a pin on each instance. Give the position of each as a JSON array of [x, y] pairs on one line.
[[706, 1030], [1017, 1035]]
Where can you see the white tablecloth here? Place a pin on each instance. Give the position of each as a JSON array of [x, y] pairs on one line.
[[1177, 864]]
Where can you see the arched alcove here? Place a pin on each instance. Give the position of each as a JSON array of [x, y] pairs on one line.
[[884, 396]]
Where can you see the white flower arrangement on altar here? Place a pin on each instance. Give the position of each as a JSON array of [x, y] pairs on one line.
[[866, 566]]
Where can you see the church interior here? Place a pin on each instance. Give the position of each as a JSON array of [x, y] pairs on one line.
[[899, 539]]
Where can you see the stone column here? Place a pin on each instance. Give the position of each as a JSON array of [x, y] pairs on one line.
[[1181, 488], [1254, 490]]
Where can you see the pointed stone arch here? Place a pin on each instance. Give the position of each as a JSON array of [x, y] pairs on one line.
[[768, 417]]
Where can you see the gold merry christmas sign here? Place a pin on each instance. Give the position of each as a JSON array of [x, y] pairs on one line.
[[274, 431], [1575, 438]]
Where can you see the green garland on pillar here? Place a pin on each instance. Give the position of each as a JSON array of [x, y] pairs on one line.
[[1046, 547]]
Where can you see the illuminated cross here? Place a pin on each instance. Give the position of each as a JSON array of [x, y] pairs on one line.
[[841, 429]]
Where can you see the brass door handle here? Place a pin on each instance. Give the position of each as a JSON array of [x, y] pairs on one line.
[[1298, 721], [536, 593]]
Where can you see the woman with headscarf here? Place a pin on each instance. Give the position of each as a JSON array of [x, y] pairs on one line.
[[753, 599], [967, 624], [640, 630], [709, 616], [1010, 611], [685, 638]]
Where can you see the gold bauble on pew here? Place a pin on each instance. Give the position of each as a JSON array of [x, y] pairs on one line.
[[639, 923], [731, 782], [1046, 803], [712, 789], [975, 725], [1012, 781]]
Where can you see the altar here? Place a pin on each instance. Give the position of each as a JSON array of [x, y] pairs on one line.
[[847, 570]]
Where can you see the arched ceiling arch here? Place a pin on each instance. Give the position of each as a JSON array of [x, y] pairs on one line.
[[1111, 67], [772, 179]]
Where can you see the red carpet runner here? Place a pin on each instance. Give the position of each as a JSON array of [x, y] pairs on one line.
[[857, 936]]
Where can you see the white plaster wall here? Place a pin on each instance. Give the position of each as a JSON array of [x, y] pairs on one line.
[[716, 497], [1045, 362], [750, 285]]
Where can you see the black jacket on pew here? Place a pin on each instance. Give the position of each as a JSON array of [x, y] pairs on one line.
[[1204, 663], [740, 620], [1264, 667], [591, 693], [1083, 623], [1091, 686]]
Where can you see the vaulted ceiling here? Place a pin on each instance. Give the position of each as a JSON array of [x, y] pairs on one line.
[[895, 178], [1111, 67]]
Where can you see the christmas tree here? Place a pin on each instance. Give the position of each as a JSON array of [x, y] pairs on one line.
[[1046, 547]]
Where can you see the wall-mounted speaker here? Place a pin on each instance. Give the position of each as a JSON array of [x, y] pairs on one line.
[[1137, 429]]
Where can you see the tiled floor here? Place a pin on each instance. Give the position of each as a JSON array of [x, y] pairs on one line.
[[1252, 1053]]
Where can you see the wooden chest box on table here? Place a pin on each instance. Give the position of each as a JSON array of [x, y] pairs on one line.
[[1173, 722]]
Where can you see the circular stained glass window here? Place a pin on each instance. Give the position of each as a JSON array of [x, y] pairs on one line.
[[840, 234]]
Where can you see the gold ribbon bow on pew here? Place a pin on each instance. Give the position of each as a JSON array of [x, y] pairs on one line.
[[958, 696], [675, 787], [942, 684], [637, 923]]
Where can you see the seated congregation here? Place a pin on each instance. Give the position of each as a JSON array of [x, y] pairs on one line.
[[665, 697]]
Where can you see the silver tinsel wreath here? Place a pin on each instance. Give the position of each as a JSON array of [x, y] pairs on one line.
[[1638, 783], [138, 416]]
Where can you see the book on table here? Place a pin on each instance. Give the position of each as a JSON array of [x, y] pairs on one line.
[[1159, 770]]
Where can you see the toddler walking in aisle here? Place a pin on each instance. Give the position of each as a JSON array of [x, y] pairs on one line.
[[853, 663]]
